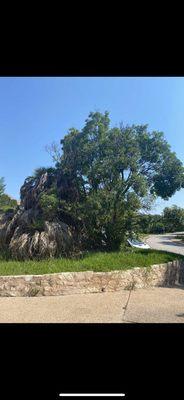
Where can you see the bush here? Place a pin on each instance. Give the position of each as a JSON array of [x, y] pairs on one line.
[[37, 225], [6, 203], [49, 204]]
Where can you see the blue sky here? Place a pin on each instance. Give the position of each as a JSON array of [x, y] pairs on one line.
[[34, 112]]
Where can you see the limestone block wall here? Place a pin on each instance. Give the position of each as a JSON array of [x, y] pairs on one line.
[[168, 275]]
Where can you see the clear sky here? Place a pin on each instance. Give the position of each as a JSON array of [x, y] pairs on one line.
[[34, 112]]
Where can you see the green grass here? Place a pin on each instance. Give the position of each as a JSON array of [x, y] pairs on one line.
[[91, 262]]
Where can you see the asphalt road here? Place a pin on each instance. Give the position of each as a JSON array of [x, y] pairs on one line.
[[167, 242]]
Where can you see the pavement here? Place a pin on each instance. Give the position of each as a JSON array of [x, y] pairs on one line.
[[145, 305], [167, 242], [153, 305]]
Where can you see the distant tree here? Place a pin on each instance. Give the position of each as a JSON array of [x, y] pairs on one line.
[[6, 202], [173, 218], [149, 223], [2, 186]]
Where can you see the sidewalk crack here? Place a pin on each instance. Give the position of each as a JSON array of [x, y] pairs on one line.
[[127, 302]]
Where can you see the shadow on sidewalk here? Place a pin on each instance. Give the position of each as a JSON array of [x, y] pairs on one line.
[[171, 243]]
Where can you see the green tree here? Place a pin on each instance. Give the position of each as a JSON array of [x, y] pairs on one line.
[[173, 218], [49, 205], [2, 186], [148, 223], [6, 202], [112, 171]]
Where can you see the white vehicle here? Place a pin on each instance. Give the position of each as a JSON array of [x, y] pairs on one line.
[[138, 244]]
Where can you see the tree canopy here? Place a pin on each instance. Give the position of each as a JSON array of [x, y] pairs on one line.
[[6, 202], [114, 172], [173, 218], [2, 186]]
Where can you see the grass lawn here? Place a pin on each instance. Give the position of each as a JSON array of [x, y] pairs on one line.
[[91, 262]]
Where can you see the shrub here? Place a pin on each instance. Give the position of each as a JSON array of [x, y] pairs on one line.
[[49, 205]]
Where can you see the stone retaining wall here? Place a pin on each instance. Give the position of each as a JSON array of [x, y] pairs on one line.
[[168, 274]]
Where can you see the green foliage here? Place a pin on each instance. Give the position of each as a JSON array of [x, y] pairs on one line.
[[37, 225], [4, 256], [173, 218], [151, 223], [49, 205], [2, 186], [113, 173], [103, 178], [38, 172], [6, 202], [6, 209]]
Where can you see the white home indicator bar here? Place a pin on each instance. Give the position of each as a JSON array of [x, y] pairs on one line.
[[91, 394]]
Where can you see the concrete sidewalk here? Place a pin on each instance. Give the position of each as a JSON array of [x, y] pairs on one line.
[[145, 305]]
